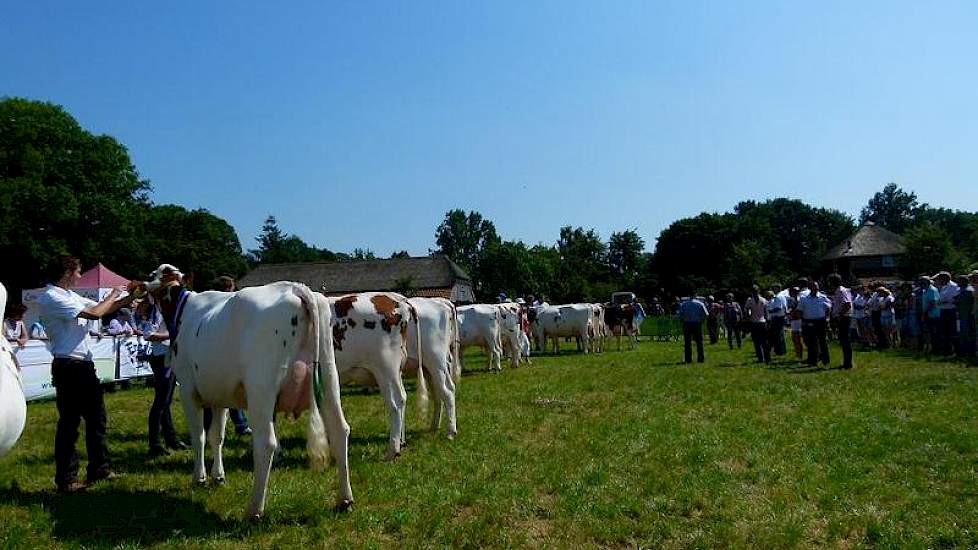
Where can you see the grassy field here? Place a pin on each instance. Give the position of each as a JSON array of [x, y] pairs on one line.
[[624, 449]]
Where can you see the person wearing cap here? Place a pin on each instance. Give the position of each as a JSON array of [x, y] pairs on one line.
[[947, 292], [965, 303], [78, 390], [930, 313]]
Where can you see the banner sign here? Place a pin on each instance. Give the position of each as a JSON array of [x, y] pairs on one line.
[[116, 358]]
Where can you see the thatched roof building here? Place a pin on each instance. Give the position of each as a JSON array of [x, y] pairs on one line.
[[428, 276], [872, 252]]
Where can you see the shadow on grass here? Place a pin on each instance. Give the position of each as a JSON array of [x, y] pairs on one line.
[[110, 517]]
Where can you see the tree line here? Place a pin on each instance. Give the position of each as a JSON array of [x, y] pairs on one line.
[[65, 190]]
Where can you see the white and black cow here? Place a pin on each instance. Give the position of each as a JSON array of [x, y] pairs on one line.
[[439, 340], [479, 325], [371, 331], [13, 405], [264, 349], [570, 321], [599, 331]]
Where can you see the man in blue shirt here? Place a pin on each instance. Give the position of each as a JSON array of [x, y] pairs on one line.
[[692, 312], [932, 315]]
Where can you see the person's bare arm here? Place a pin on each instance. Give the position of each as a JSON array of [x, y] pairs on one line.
[[109, 304]]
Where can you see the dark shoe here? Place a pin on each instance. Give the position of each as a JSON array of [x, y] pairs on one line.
[[177, 445], [105, 475], [73, 487], [158, 451]]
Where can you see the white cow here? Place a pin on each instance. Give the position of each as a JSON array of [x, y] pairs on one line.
[[13, 405], [479, 325], [438, 323], [264, 349], [570, 320], [370, 336], [510, 329], [599, 331]]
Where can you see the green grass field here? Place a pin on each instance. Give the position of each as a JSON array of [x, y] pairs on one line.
[[624, 449]]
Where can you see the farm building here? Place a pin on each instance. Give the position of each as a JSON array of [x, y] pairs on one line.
[[872, 252], [427, 276]]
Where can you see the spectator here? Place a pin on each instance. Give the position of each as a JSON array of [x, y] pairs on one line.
[[777, 308], [815, 308], [875, 313], [947, 292], [756, 308], [966, 317], [795, 315], [930, 312], [841, 310], [78, 391], [13, 325], [866, 327], [121, 324], [37, 331], [713, 321], [164, 382], [906, 317], [732, 317], [886, 303], [692, 313], [859, 313]]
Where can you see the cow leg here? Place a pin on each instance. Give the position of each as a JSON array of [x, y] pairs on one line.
[[195, 425], [394, 396], [263, 447], [216, 437], [444, 393], [497, 357], [338, 434], [436, 409]]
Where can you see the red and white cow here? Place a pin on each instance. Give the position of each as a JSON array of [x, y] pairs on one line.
[[264, 349], [598, 328], [13, 405], [570, 320], [479, 325], [438, 323], [370, 337]]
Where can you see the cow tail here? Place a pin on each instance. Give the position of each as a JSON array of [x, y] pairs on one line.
[[317, 444], [422, 383]]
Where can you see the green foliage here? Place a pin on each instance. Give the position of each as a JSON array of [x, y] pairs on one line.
[[929, 250], [625, 250], [276, 247], [64, 190], [893, 208], [195, 240], [776, 240], [400, 254], [463, 237]]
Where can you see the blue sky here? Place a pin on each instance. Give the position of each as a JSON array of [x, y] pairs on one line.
[[359, 124]]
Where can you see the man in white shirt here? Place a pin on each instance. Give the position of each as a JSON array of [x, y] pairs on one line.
[[777, 309], [814, 309], [77, 388], [756, 309], [948, 292]]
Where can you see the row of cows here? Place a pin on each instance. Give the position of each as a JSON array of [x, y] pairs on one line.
[[282, 349]]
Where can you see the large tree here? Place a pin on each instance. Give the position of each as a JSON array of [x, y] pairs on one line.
[[194, 240], [277, 247], [463, 236], [929, 250], [624, 255], [64, 190], [893, 208]]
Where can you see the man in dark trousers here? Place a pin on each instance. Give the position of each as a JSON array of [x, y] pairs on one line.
[[841, 310], [77, 388], [692, 313], [815, 309]]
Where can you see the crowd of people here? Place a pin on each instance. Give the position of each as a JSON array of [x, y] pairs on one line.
[[934, 315]]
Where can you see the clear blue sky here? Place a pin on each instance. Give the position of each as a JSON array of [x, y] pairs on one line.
[[362, 123]]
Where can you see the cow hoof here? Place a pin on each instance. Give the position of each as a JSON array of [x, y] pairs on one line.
[[344, 505], [201, 482], [451, 436], [218, 481], [391, 457], [253, 518]]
